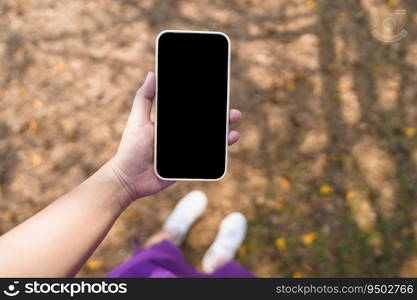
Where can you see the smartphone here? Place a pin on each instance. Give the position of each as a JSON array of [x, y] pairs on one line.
[[191, 105]]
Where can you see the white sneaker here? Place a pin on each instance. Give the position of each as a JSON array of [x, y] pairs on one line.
[[186, 212], [231, 234]]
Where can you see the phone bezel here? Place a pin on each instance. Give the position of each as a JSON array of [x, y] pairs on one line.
[[227, 105]]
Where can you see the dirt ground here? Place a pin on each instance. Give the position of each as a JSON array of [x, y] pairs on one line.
[[326, 168]]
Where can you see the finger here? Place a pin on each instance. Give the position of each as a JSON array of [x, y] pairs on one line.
[[142, 104], [234, 136], [234, 116]]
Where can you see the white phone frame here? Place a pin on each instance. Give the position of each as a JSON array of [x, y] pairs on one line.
[[227, 105]]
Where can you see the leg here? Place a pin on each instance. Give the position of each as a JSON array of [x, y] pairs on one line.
[[231, 234], [161, 256], [158, 237], [179, 222]]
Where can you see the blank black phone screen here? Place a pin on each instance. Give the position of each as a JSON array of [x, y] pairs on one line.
[[192, 105]]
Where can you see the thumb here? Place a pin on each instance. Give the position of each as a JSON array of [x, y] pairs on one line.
[[142, 104]]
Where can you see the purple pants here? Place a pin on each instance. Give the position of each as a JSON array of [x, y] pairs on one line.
[[165, 260]]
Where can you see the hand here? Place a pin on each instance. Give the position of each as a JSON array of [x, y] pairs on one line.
[[133, 163]]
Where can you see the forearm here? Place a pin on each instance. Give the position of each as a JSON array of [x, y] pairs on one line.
[[58, 240]]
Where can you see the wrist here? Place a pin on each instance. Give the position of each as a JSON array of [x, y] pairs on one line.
[[116, 185]]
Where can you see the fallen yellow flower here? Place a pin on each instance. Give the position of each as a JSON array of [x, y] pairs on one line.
[[410, 132], [37, 104], [23, 91], [32, 126], [290, 85], [242, 251], [281, 245], [350, 195], [285, 183], [60, 68], [392, 4], [325, 190], [132, 214], [311, 4], [8, 216], [67, 125], [377, 69], [279, 206], [343, 87], [37, 160], [308, 238], [93, 265]]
